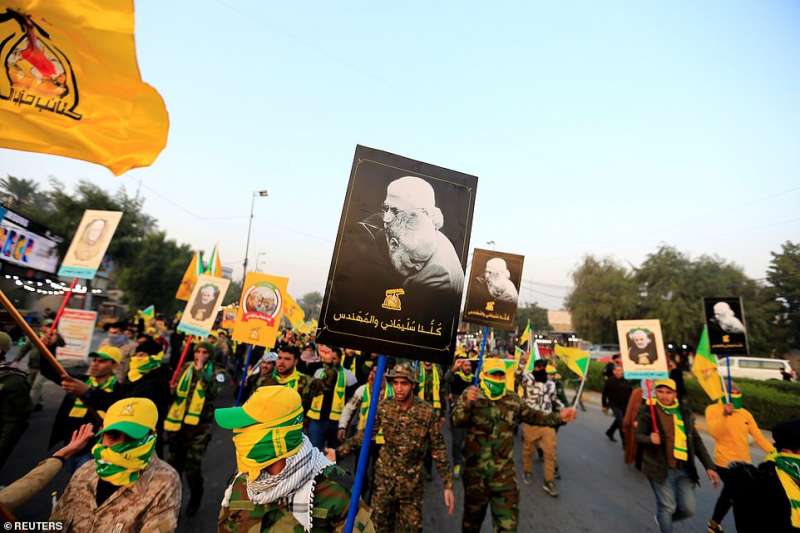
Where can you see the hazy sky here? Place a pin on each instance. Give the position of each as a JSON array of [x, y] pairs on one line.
[[595, 128]]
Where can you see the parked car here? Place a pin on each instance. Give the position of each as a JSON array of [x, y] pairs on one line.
[[603, 351], [760, 368]]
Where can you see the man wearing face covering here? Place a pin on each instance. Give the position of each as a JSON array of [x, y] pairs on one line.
[[283, 482], [126, 488], [147, 378], [491, 414]]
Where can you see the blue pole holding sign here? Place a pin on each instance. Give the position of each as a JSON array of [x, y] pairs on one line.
[[485, 332], [245, 368], [366, 441]]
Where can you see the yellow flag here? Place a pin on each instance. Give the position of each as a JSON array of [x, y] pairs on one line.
[[189, 279], [576, 359], [293, 312], [308, 328], [70, 84]]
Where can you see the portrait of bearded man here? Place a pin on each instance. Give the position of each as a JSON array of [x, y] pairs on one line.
[[407, 234]]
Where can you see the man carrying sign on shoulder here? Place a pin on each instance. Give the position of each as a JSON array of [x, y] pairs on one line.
[[668, 455]]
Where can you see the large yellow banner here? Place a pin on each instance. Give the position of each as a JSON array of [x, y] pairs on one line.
[[70, 84], [260, 309]]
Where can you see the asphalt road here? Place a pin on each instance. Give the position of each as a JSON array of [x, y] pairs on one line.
[[598, 492]]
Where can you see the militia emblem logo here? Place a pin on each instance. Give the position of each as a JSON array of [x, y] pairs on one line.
[[392, 300], [490, 306], [37, 73], [127, 410]]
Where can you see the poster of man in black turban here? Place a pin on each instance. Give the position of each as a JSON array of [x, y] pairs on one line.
[[727, 333], [397, 273], [493, 289]]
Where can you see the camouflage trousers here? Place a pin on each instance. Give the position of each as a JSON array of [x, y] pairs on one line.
[[397, 504], [186, 448], [501, 494]]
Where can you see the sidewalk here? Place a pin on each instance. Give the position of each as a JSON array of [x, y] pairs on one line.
[[594, 398]]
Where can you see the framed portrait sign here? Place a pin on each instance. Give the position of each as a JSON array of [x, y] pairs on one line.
[[727, 332], [261, 307], [89, 244], [493, 289], [642, 347], [203, 306], [397, 272]]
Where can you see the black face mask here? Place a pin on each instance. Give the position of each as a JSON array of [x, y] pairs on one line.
[[540, 375]]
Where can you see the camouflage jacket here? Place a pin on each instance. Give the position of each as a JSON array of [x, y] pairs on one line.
[[151, 504], [489, 445], [407, 434], [331, 502]]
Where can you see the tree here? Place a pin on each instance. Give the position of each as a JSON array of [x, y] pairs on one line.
[[783, 275], [22, 194], [233, 294], [604, 293], [311, 304], [152, 275], [537, 316]]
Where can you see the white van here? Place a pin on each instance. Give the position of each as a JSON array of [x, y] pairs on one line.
[[754, 367]]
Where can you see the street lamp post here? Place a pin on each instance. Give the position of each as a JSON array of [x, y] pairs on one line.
[[263, 194], [258, 260]]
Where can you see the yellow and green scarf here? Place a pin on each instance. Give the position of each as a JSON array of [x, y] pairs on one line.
[[291, 381], [493, 385], [260, 445], [315, 411], [736, 399], [141, 365], [787, 466], [178, 413], [388, 392], [679, 450], [79, 408], [423, 377], [123, 463]]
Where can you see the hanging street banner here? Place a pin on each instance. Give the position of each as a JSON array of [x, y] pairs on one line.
[[261, 305], [203, 305], [26, 244], [76, 327], [89, 244], [493, 289], [642, 347], [397, 272], [213, 267], [61, 93], [727, 333]]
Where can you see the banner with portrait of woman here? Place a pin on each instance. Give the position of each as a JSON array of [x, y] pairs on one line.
[[397, 273]]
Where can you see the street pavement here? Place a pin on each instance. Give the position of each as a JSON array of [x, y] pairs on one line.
[[598, 492]]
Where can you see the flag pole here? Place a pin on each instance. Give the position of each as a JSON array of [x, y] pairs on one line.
[[64, 302], [366, 441], [186, 343], [652, 406], [485, 334], [730, 385], [32, 335], [580, 389], [244, 374]]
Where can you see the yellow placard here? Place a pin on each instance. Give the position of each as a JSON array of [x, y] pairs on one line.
[[260, 309], [203, 306], [70, 84]]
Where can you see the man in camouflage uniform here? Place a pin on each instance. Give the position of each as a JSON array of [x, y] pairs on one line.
[[127, 488], [283, 482], [410, 426], [264, 376], [491, 415], [15, 401], [188, 428]]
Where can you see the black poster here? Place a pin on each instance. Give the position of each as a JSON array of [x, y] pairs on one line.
[[493, 289], [397, 273], [727, 332]]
